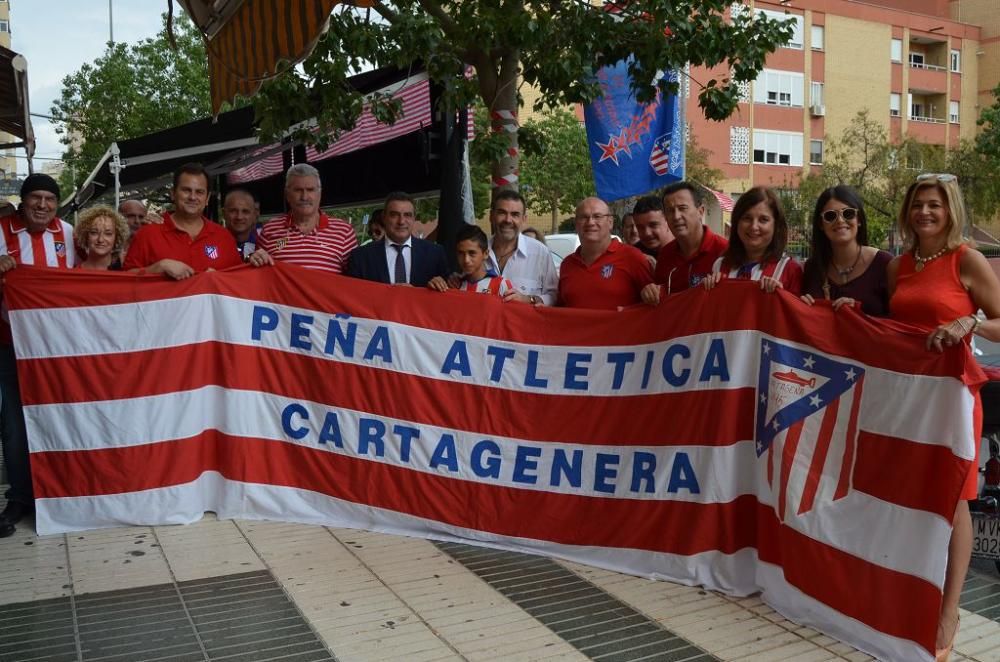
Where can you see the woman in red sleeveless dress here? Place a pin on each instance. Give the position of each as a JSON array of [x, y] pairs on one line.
[[939, 283]]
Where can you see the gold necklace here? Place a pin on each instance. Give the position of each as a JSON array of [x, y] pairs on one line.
[[921, 261]]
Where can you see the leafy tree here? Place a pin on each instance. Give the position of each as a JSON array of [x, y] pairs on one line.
[[698, 164], [554, 46], [556, 172], [131, 90], [988, 140]]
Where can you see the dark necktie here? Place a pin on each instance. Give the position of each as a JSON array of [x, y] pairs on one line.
[[400, 264]]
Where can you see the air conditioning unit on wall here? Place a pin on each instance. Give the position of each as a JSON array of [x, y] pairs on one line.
[[817, 110]]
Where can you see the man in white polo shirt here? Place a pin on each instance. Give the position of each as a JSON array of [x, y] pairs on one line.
[[523, 261]]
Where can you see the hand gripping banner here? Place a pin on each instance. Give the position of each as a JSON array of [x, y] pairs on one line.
[[734, 439]]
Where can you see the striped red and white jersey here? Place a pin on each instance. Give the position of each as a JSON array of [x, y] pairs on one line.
[[325, 248], [51, 248], [489, 284], [785, 269]]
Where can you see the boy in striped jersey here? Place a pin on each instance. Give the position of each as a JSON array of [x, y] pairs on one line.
[[471, 250]]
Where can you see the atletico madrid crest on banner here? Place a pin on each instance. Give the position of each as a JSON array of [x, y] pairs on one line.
[[634, 148], [807, 424]]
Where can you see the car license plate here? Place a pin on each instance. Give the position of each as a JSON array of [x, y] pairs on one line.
[[986, 536]]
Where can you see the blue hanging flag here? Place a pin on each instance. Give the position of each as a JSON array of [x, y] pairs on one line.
[[634, 148]]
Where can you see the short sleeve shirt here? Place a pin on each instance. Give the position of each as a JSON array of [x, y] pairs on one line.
[[326, 247], [615, 279], [213, 248], [677, 273]]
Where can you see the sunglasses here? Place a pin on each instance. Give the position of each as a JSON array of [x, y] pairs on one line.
[[941, 177], [831, 215]]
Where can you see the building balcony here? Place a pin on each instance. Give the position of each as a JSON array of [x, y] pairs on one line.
[[929, 78]]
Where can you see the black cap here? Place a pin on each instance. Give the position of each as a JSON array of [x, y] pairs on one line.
[[39, 182]]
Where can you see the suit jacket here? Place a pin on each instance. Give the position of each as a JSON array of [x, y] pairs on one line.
[[427, 260]]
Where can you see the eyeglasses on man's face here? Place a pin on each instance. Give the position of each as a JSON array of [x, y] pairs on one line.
[[595, 217], [847, 213]]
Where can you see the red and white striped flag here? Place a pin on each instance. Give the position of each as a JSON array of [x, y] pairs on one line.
[[731, 438]]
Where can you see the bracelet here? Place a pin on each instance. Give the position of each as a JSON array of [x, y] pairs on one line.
[[961, 324], [976, 324]]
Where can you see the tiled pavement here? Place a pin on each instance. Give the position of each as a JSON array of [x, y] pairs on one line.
[[249, 590]]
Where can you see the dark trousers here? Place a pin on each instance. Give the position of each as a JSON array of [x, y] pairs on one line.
[[15, 438]]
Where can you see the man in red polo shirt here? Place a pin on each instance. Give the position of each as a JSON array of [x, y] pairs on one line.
[[32, 235], [686, 260], [603, 273], [305, 236], [186, 242]]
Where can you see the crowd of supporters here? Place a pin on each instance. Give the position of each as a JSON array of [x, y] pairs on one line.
[[938, 283]]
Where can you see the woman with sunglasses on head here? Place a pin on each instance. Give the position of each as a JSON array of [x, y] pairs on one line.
[[843, 268], [938, 283], [756, 251]]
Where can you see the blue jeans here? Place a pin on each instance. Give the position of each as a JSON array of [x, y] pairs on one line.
[[14, 436]]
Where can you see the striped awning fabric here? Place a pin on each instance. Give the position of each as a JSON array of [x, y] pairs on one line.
[[249, 41], [725, 202]]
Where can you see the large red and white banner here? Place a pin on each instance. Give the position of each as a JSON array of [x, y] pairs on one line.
[[733, 439]]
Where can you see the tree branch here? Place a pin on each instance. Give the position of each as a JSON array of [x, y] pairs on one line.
[[448, 26]]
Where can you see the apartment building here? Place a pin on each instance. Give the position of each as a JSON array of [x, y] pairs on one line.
[[921, 68]]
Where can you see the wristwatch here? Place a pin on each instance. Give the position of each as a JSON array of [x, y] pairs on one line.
[[535, 299]]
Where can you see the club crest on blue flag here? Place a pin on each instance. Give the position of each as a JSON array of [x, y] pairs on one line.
[[634, 148], [806, 424]]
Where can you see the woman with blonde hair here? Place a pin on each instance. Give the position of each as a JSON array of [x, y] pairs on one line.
[[939, 283], [100, 234]]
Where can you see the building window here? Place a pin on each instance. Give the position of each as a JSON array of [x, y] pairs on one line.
[[817, 37], [777, 148], [778, 88], [956, 61], [896, 50], [953, 112], [816, 152], [4, 26], [895, 101], [739, 145], [816, 94], [916, 59], [797, 27]]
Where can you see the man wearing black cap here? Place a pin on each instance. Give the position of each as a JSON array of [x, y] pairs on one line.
[[32, 235]]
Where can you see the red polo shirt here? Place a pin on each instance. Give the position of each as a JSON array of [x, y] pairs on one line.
[[677, 273], [213, 248], [614, 279]]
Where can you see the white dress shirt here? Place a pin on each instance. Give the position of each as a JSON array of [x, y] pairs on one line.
[[390, 257], [530, 269]]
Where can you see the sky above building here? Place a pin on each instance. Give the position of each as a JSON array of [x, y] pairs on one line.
[[57, 37]]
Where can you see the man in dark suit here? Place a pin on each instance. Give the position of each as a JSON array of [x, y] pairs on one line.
[[399, 258]]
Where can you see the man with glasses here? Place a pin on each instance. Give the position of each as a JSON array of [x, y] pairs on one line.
[[32, 235], [603, 273], [686, 260], [399, 258], [524, 261]]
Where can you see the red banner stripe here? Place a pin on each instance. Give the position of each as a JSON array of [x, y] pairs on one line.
[[881, 472]]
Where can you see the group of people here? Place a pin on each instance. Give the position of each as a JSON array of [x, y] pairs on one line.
[[938, 282]]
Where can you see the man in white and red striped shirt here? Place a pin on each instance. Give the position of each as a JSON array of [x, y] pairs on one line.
[[32, 235], [305, 236]]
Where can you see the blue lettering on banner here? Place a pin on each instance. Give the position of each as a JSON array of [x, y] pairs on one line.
[[457, 359], [581, 371], [628, 471]]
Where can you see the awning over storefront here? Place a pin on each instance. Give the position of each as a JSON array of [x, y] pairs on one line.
[[249, 41], [14, 107]]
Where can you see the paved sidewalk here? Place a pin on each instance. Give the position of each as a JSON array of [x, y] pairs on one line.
[[251, 590]]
